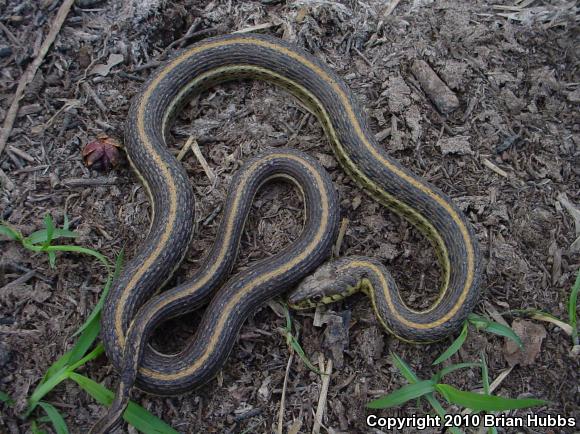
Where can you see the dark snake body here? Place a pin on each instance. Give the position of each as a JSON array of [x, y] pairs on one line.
[[235, 57]]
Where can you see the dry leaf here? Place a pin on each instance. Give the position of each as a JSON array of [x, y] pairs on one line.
[[100, 69], [532, 335]]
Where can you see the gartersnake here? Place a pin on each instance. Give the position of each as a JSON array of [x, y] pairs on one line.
[[235, 57]]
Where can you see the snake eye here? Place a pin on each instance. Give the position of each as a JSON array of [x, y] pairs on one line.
[[316, 298]]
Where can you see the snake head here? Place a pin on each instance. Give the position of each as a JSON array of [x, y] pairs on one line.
[[327, 285]]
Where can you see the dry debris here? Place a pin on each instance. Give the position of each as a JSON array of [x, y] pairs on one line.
[[532, 335]]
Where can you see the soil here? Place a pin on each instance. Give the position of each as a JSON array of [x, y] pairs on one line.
[[506, 155]]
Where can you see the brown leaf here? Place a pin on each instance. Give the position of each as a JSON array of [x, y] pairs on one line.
[[532, 335], [103, 70]]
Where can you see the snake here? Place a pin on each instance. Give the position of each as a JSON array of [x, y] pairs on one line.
[[135, 305]]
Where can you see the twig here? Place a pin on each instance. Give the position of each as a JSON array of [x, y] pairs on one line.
[[9, 34], [21, 154], [283, 398], [91, 93], [323, 394], [341, 233], [19, 280], [30, 72], [89, 182], [201, 159], [185, 148], [363, 57], [496, 169], [256, 28]]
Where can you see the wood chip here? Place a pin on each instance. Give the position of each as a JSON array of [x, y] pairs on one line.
[[444, 98], [30, 72], [496, 169]]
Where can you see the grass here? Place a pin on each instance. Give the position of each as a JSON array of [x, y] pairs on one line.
[[480, 323], [294, 344], [80, 354], [431, 388], [570, 327], [83, 350]]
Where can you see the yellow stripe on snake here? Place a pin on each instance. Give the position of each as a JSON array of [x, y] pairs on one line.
[[132, 311]]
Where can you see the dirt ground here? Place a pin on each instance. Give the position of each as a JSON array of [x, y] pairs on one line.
[[507, 156]]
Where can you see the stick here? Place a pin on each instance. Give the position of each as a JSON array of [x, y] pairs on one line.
[[30, 72], [202, 160], [341, 233], [283, 398], [323, 394]]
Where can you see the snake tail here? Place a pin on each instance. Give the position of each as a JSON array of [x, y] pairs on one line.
[[209, 348]]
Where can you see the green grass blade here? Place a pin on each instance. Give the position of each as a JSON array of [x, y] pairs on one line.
[[13, 234], [404, 368], [288, 318], [74, 355], [99, 349], [404, 394], [572, 308], [44, 388], [95, 314], [34, 428], [135, 414], [454, 347], [292, 341], [52, 259], [412, 378], [49, 224], [85, 341], [4, 397], [58, 377], [41, 236], [479, 402], [61, 363], [55, 418], [484, 374], [489, 326], [296, 346], [78, 249], [449, 369]]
